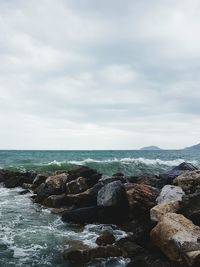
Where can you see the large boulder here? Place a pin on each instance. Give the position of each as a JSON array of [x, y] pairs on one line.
[[168, 177], [191, 207], [178, 238], [189, 181], [13, 179], [77, 186], [112, 195], [170, 193], [91, 175], [160, 210], [39, 179], [141, 198]]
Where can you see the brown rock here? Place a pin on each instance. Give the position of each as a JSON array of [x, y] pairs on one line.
[[189, 181], [106, 238], [178, 238]]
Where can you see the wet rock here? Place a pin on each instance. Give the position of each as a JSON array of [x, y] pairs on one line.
[[82, 215], [141, 198], [27, 186], [168, 177], [112, 195], [77, 186], [129, 248], [91, 175], [57, 182], [140, 229], [83, 256], [24, 192], [191, 207], [13, 179], [160, 210], [39, 179], [170, 193], [106, 238], [178, 238], [189, 181], [55, 201], [118, 174]]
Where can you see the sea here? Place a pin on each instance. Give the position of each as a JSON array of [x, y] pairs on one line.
[[31, 236]]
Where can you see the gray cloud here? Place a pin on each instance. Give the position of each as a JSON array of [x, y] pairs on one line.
[[99, 74]]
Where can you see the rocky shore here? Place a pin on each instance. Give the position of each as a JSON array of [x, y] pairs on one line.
[[160, 214]]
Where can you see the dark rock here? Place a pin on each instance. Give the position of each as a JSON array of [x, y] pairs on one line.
[[140, 229], [106, 238], [190, 207], [39, 179], [55, 201], [24, 192], [84, 172], [112, 195], [82, 215], [141, 198], [27, 186], [13, 179], [129, 248], [152, 180], [80, 253], [168, 177], [77, 186]]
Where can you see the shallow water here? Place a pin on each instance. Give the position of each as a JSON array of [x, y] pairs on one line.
[[32, 236]]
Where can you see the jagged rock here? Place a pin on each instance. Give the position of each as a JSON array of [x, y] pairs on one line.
[[129, 248], [140, 229], [112, 195], [55, 201], [91, 175], [178, 238], [77, 186], [189, 181], [168, 177], [39, 179], [106, 238], [191, 207], [82, 215], [170, 193], [57, 182], [141, 198], [13, 179], [160, 210]]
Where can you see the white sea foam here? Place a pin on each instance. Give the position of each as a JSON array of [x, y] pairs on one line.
[[135, 161]]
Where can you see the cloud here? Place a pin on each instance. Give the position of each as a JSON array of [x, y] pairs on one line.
[[98, 74]]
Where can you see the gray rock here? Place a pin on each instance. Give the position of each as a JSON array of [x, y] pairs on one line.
[[170, 193]]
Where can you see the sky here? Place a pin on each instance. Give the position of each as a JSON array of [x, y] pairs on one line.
[[90, 74]]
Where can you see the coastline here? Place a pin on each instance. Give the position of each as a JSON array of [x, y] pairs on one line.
[[83, 196]]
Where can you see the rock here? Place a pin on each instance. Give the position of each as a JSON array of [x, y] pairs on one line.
[[91, 175], [77, 186], [112, 195], [178, 238], [24, 192], [57, 182], [160, 210], [191, 207], [151, 180], [39, 179], [128, 247], [55, 201], [140, 229], [83, 256], [13, 179], [118, 174], [106, 238], [82, 215], [141, 198], [170, 193], [168, 177], [189, 181], [27, 186]]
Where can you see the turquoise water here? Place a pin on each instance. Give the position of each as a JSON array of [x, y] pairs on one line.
[[107, 162], [31, 236]]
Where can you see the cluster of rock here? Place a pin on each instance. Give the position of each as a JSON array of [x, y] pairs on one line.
[[160, 214]]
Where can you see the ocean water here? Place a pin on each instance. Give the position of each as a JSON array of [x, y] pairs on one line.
[[31, 236]]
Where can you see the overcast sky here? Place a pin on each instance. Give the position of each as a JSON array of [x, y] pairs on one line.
[[108, 74]]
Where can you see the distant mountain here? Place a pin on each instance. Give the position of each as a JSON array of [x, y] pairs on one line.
[[150, 148], [195, 147]]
